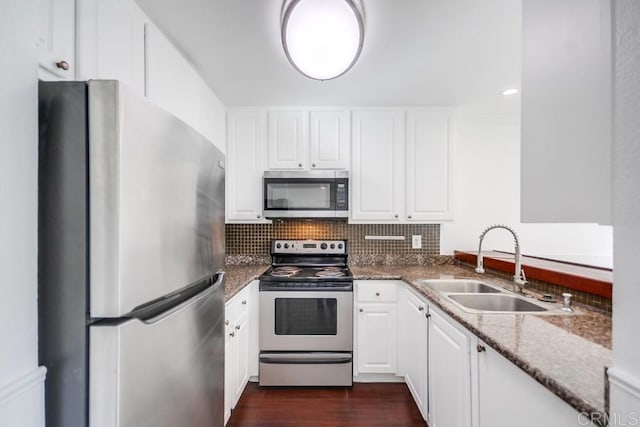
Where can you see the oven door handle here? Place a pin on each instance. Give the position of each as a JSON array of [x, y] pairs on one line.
[[306, 358]]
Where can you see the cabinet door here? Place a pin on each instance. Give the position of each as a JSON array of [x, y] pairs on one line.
[[329, 139], [377, 338], [246, 139], [56, 39], [378, 166], [287, 140], [229, 366], [508, 396], [413, 333], [171, 81], [111, 42], [429, 165], [449, 375], [241, 372]]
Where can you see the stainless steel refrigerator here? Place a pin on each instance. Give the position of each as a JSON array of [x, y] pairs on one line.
[[131, 252]]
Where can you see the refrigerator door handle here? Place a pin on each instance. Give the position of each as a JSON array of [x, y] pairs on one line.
[[159, 309]]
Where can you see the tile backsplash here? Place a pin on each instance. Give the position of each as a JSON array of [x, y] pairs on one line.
[[249, 243]]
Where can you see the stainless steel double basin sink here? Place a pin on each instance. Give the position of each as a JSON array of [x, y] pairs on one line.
[[478, 297]]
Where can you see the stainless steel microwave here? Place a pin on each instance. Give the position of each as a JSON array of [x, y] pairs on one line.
[[313, 194]]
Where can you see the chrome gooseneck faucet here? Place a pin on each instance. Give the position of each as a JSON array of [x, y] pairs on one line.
[[519, 279]]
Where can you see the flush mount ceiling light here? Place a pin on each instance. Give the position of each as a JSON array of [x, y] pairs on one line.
[[508, 92], [322, 38]]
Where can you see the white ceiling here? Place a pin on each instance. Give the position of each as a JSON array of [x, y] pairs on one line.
[[416, 52]]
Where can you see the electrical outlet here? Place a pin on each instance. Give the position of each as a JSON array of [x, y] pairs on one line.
[[416, 241]]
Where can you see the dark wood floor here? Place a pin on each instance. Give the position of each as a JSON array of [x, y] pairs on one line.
[[364, 404]]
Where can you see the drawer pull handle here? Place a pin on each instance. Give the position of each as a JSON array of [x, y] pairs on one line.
[[226, 323], [420, 308], [480, 348], [377, 294], [237, 327], [362, 310], [244, 302], [232, 334], [427, 315]]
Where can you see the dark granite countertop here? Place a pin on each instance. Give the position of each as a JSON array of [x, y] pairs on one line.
[[565, 353], [239, 276]]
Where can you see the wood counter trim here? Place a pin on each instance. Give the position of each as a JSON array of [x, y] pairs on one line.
[[580, 283]]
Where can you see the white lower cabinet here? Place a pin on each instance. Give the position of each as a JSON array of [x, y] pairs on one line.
[[413, 335], [508, 396], [449, 374], [376, 327], [459, 381], [240, 325]]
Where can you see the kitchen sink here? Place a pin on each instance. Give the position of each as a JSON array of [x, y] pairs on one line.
[[494, 303], [462, 286]]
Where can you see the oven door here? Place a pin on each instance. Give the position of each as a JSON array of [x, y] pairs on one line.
[[306, 321], [305, 195]]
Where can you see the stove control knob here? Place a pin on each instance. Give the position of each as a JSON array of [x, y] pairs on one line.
[[286, 246], [323, 246], [339, 245], [278, 245], [333, 246]]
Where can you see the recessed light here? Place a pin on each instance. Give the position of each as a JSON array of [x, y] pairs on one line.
[[508, 92]]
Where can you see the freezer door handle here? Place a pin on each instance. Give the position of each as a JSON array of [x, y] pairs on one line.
[[305, 358], [162, 307]]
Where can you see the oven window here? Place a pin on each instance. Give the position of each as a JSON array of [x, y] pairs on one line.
[[298, 195], [306, 316]]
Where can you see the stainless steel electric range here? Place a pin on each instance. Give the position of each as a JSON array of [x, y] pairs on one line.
[[306, 315]]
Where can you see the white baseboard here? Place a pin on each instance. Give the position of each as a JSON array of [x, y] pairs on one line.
[[22, 400], [624, 392], [377, 378]]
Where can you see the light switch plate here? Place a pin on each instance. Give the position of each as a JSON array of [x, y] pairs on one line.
[[416, 241]]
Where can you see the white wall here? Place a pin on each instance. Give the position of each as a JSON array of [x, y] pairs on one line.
[[625, 373], [21, 393], [487, 191]]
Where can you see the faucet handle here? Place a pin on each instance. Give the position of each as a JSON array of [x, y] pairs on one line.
[[523, 276]]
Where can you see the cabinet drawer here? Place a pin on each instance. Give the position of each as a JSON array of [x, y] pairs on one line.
[[382, 290], [238, 305]]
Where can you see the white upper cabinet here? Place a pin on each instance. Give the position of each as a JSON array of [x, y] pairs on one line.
[[111, 42], [377, 179], [171, 82], [401, 169], [566, 111], [428, 165], [302, 140], [288, 140], [329, 139], [56, 39], [246, 144]]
